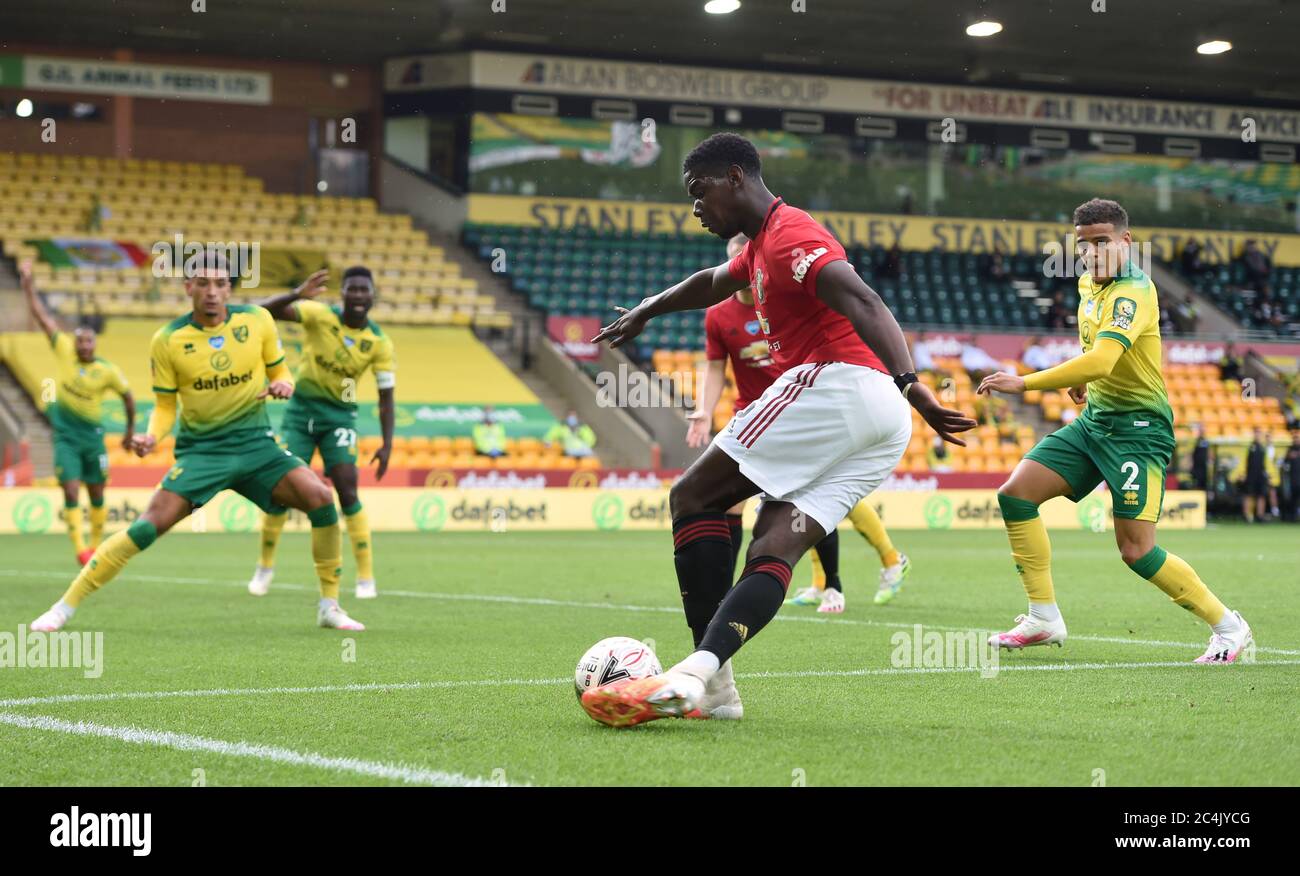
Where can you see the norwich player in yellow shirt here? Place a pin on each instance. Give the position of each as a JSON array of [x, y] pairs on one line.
[[341, 343], [222, 361], [80, 457], [1124, 437]]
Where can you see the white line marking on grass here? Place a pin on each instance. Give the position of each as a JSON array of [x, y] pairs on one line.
[[185, 742], [1002, 666], [250, 691], [60, 699], [660, 609]]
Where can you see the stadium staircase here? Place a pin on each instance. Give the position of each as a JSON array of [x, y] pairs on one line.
[[1210, 319], [557, 381], [34, 428]]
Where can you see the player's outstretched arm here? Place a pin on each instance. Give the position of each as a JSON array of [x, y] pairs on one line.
[[708, 393], [128, 436], [34, 305], [161, 421], [281, 306], [840, 287], [1071, 374], [702, 289], [386, 418]]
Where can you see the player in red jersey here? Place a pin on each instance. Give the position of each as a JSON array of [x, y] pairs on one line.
[[821, 437], [732, 332]]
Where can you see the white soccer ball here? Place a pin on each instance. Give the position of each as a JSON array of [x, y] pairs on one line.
[[614, 659]]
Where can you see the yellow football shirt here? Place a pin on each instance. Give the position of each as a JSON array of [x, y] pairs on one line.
[[218, 374], [334, 356], [1126, 310], [80, 386]]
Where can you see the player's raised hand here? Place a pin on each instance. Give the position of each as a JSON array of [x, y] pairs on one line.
[[943, 420], [1079, 394], [277, 389], [25, 268], [381, 456], [313, 285], [697, 429], [621, 330], [143, 445], [1001, 381]]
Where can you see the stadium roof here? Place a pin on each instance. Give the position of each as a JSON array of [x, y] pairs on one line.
[[1143, 48]]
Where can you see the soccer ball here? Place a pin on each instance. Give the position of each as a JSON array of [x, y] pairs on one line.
[[611, 660]]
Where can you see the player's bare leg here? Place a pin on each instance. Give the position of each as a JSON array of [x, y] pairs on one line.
[[164, 511], [703, 557], [344, 476], [303, 490], [781, 536], [735, 516], [1230, 637], [1030, 485]]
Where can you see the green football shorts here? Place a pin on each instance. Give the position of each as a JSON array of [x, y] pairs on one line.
[[252, 471], [1129, 451]]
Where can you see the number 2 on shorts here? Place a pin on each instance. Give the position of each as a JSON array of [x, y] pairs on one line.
[[1131, 469], [348, 438]]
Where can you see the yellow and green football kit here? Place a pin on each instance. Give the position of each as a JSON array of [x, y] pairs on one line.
[[322, 414], [1125, 435], [224, 440], [323, 411], [79, 453]]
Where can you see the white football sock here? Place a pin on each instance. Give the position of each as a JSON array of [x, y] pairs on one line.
[[1044, 611], [324, 603], [701, 664], [64, 609], [1228, 625]]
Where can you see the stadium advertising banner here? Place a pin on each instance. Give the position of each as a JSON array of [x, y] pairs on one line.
[[406, 509], [135, 80], [953, 234], [410, 419], [1176, 351], [574, 334], [866, 97]]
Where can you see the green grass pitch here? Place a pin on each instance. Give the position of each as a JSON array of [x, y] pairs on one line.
[[465, 671]]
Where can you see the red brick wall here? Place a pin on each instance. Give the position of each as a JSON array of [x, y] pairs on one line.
[[270, 141]]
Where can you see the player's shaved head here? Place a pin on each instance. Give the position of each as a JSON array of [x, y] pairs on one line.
[[715, 155], [358, 295], [722, 175], [83, 337]]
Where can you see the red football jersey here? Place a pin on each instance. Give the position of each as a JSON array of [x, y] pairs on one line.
[[731, 331], [781, 265]]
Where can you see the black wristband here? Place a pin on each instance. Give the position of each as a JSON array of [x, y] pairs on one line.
[[903, 381]]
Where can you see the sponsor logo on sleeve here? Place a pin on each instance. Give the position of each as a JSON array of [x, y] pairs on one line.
[[1125, 311], [802, 265]]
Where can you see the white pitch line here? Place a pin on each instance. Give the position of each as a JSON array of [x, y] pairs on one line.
[[1004, 667], [60, 699], [185, 742], [656, 609], [252, 691]]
